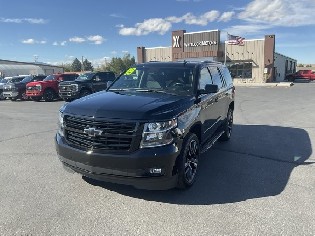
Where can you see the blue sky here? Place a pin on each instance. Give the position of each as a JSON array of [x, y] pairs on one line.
[[60, 30]]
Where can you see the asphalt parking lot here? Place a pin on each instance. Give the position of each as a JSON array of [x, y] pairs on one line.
[[260, 183]]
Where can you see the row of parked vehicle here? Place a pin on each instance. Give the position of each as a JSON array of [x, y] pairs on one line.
[[66, 86]]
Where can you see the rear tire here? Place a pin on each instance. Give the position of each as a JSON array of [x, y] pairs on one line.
[[188, 161], [227, 126]]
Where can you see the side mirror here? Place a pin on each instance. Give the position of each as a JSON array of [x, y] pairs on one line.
[[109, 83], [210, 88]]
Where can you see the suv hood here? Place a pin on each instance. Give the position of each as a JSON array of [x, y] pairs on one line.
[[74, 82], [130, 105], [17, 85], [40, 82]]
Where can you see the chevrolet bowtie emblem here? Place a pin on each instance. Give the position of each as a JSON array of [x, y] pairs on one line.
[[92, 132]]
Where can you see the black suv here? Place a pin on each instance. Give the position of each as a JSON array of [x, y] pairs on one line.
[[150, 126], [16, 88], [85, 84]]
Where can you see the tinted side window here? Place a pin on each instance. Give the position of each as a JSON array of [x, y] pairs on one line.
[[205, 78], [213, 70], [227, 76], [69, 77]]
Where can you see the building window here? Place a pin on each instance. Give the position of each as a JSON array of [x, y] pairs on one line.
[[241, 70]]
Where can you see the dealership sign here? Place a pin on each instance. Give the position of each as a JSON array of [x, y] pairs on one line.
[[201, 43]]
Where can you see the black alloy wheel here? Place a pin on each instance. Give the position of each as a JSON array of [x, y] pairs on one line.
[[84, 93], [188, 162], [49, 95], [228, 126]]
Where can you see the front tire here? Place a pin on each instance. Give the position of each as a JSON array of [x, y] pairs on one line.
[[84, 93], [36, 99], [49, 95], [227, 126], [188, 161]]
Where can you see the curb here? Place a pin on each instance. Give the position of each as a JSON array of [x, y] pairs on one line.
[[280, 84]]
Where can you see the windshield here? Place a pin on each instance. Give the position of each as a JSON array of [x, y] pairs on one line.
[[15, 79], [175, 80], [27, 79], [49, 77], [85, 76]]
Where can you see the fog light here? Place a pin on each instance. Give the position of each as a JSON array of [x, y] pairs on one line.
[[155, 171]]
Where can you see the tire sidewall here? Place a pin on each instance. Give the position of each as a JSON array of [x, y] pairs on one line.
[[182, 181], [48, 98]]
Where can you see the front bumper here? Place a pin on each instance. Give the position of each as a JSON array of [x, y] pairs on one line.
[[69, 94], [34, 93], [130, 169], [11, 94]]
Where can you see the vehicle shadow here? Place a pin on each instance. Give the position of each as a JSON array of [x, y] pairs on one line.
[[255, 163]]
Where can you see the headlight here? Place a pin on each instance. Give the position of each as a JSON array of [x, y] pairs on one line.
[[157, 133], [75, 87], [38, 87], [60, 124]]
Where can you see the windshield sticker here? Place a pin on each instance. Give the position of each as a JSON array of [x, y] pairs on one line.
[[130, 71]]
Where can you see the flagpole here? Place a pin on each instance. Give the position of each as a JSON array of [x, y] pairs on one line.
[[225, 47]]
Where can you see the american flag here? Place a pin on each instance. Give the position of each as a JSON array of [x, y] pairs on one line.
[[235, 40]]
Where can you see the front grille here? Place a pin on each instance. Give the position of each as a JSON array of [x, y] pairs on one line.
[[9, 89], [115, 136], [66, 88]]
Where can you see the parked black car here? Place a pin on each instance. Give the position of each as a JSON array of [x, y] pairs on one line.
[[85, 84], [16, 88], [149, 128]]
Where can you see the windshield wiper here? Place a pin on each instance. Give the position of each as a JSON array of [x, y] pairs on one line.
[[120, 89]]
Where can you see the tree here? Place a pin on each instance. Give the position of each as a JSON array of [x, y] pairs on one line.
[[118, 65], [87, 66], [300, 65], [66, 66], [76, 65]]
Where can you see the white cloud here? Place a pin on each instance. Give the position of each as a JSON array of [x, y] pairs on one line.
[[23, 20], [227, 16], [117, 15], [63, 43], [280, 12], [242, 30], [161, 26], [35, 21], [33, 41], [28, 41], [77, 40], [157, 25], [191, 19], [96, 39]]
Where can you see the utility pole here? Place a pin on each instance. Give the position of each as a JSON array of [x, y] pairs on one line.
[[82, 67]]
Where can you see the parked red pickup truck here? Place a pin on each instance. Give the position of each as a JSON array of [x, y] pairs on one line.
[[48, 88], [301, 74]]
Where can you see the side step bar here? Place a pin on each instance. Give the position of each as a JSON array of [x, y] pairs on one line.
[[211, 142]]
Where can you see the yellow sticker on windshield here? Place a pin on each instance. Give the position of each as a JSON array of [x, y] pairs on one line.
[[130, 71]]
